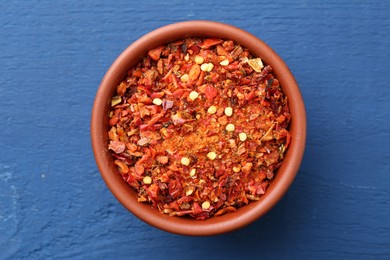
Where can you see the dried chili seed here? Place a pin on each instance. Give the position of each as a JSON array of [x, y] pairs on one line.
[[192, 172], [147, 180], [228, 111], [199, 127], [230, 127], [185, 161], [207, 67], [212, 110], [224, 63], [212, 155], [190, 190], [199, 60], [193, 95], [157, 101], [185, 78], [237, 168], [242, 136], [206, 205]]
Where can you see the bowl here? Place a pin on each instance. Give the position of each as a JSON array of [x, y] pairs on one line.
[[128, 197]]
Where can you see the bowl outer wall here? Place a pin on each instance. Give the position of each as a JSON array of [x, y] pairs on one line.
[[185, 226]]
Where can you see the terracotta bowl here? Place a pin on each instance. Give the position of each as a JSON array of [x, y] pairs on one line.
[[180, 225]]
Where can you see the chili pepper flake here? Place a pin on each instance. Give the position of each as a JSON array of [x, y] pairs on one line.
[[116, 100], [256, 64], [155, 53], [117, 146], [210, 92], [173, 124], [167, 104], [121, 166]]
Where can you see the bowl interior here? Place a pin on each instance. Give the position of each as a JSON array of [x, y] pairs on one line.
[[186, 226]]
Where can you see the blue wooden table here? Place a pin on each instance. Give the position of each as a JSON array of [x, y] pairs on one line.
[[53, 202]]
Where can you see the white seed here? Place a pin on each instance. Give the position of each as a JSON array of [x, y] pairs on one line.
[[206, 205], [189, 191], [193, 95], [230, 127], [212, 155], [204, 66], [147, 180], [212, 110], [207, 67], [192, 172], [157, 101], [242, 136], [210, 67], [185, 161], [224, 63], [199, 60], [237, 168], [187, 57], [228, 111], [184, 77]]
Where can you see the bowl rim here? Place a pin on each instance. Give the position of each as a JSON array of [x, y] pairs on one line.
[[216, 225]]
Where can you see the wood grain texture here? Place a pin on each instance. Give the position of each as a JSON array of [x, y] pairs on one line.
[[53, 202]]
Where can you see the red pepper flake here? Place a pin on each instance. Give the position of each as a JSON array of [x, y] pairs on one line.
[[117, 146], [197, 130], [207, 43], [210, 92], [167, 104], [162, 159], [156, 53]]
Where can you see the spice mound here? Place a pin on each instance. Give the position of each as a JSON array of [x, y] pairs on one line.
[[199, 127]]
